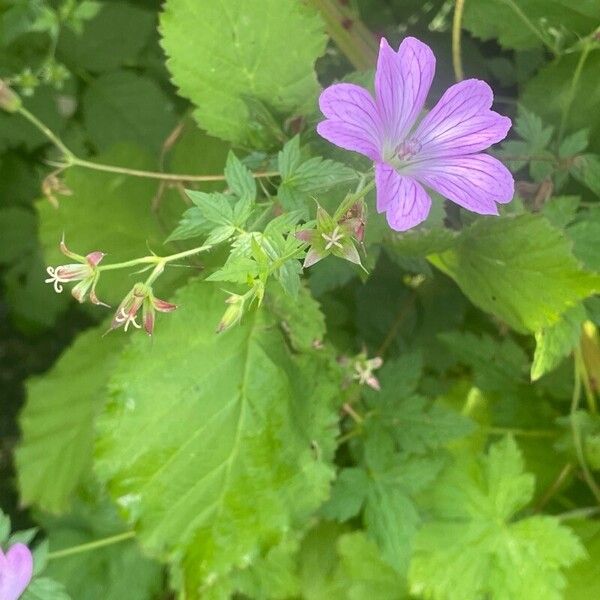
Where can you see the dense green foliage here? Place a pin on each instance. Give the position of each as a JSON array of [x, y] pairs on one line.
[[325, 415]]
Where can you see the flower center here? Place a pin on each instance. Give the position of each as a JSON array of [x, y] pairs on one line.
[[407, 149]]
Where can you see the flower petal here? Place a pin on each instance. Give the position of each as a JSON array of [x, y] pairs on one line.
[[475, 182], [403, 199], [352, 121], [402, 82], [461, 122], [16, 573]]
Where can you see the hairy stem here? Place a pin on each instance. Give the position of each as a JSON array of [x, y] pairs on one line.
[[108, 541], [154, 260], [71, 160]]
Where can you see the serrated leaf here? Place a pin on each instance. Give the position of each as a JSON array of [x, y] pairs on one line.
[[301, 179], [364, 574], [262, 49], [586, 169], [475, 549], [300, 317], [111, 213], [58, 419], [243, 416], [121, 106], [112, 573], [518, 268], [574, 144], [239, 178], [498, 365], [238, 269], [554, 343]]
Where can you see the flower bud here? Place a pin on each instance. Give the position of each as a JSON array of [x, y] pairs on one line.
[[9, 100], [233, 313]]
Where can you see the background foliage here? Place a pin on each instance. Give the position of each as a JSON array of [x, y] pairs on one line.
[[251, 463]]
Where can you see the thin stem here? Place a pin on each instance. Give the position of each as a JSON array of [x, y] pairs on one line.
[[348, 436], [352, 199], [347, 408], [579, 513], [114, 539], [456, 40], [536, 433], [554, 487], [70, 160], [589, 392], [530, 25], [175, 177], [350, 34], [154, 260], [68, 155], [573, 89], [577, 442]]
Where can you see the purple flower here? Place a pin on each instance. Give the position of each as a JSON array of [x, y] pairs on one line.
[[16, 570], [442, 152]]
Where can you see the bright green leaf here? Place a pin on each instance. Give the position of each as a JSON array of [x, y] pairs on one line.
[[474, 549], [518, 268], [58, 420], [220, 52], [215, 445], [554, 343]]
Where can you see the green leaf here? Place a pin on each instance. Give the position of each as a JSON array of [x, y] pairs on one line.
[[220, 52], [527, 23], [585, 233], [518, 268], [415, 424], [239, 178], [111, 213], [114, 37], [215, 445], [112, 573], [237, 269], [554, 343], [421, 242], [561, 210], [57, 422], [44, 588], [584, 577], [574, 144], [558, 76], [498, 365], [586, 169], [300, 317], [121, 106], [301, 180], [474, 548], [364, 574]]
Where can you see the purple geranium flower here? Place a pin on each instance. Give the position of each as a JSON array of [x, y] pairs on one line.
[[442, 152]]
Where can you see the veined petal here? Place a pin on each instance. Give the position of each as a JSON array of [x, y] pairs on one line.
[[402, 82], [403, 199], [461, 122], [476, 182], [352, 121]]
